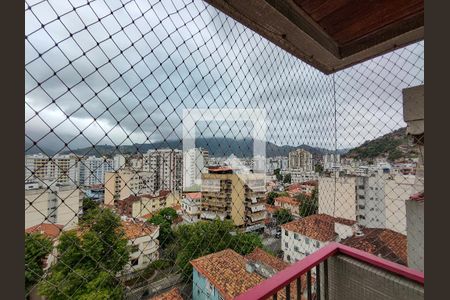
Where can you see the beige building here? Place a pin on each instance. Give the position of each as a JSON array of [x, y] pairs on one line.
[[291, 204], [166, 168], [337, 197], [143, 206], [56, 205], [229, 195], [62, 168], [300, 160], [125, 182]]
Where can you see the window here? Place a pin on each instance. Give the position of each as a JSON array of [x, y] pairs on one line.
[[361, 187], [296, 236], [361, 197], [361, 206], [307, 241], [317, 244], [288, 258], [285, 245], [286, 233], [296, 249], [134, 262]]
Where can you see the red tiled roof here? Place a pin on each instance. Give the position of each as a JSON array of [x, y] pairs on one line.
[[272, 208], [194, 195], [173, 294], [135, 229], [262, 256], [319, 227], [50, 230], [226, 270], [386, 243], [287, 200]]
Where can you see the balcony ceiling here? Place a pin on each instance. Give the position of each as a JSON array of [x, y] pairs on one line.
[[331, 34]]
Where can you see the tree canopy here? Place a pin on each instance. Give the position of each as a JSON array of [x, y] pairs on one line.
[[37, 248], [287, 178], [283, 216], [309, 205], [164, 218], [89, 260], [202, 238]]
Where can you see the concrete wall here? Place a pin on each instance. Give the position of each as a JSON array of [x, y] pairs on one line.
[[349, 279], [337, 197], [304, 245], [415, 229]]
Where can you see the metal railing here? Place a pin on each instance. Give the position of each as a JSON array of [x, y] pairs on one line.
[[283, 280]]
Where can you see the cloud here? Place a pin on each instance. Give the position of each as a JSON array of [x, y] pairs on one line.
[[123, 74]]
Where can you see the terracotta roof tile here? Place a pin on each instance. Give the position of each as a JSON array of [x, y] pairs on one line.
[[287, 200], [173, 294], [319, 227], [194, 195], [227, 272], [50, 230], [385, 243], [260, 255], [135, 229]]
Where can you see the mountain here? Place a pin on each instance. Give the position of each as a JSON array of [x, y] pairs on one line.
[[393, 146], [215, 146]]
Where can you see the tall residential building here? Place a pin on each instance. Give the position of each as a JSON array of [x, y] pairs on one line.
[[123, 183], [119, 162], [63, 168], [228, 194], [194, 160], [300, 159], [92, 170], [374, 201], [166, 166], [55, 205], [332, 162]]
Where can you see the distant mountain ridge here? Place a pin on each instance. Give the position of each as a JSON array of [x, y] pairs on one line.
[[394, 145], [215, 146]]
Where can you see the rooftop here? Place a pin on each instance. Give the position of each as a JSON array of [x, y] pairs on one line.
[[287, 200], [50, 230], [319, 227], [135, 229], [385, 243], [194, 195]]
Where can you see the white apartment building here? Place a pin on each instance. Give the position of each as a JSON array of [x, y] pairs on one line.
[[166, 166], [119, 162], [376, 201], [300, 160], [92, 170], [332, 162], [191, 207], [304, 236], [63, 168], [194, 161], [125, 182], [55, 205], [299, 176]]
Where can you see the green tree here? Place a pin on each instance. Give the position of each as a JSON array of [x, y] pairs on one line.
[[37, 248], [202, 238], [287, 178], [271, 197], [309, 205], [318, 168], [89, 205], [283, 216], [164, 218], [89, 260], [277, 174]]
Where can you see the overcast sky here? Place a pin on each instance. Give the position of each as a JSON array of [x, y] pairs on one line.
[[122, 74]]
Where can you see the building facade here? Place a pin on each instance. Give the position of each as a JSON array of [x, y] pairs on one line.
[[300, 160], [125, 182], [227, 194], [166, 167], [55, 205], [191, 206], [194, 160]]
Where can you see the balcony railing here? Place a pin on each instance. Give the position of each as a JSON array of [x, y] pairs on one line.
[[317, 264]]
